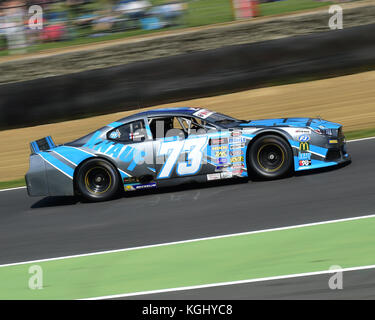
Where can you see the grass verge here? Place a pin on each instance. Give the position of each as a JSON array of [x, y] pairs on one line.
[[280, 7], [12, 183], [282, 252], [358, 134]]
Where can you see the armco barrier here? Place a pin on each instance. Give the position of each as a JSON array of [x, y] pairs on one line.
[[198, 74]]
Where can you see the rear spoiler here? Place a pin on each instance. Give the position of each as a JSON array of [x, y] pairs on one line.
[[42, 145]]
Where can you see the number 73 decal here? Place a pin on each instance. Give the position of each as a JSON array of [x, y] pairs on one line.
[[172, 149]]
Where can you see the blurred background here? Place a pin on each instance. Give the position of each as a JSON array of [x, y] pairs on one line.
[[96, 61], [71, 22]]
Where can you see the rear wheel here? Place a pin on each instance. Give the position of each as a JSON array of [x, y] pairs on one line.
[[97, 180], [270, 157]]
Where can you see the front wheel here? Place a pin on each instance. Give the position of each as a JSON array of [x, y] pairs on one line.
[[270, 157], [97, 180]]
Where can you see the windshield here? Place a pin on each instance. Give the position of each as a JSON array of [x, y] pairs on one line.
[[223, 120]]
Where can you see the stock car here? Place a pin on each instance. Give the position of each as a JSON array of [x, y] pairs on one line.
[[166, 147]]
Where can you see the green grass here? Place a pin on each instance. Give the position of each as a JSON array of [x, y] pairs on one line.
[[350, 135], [283, 252], [200, 13], [279, 7], [205, 12], [358, 134], [12, 184]]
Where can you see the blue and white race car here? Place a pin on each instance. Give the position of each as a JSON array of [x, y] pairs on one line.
[[172, 146]]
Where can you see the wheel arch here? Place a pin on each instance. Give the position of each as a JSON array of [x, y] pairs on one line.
[[281, 134], [91, 158]]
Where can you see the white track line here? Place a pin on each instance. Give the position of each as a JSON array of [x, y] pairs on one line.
[[355, 140], [362, 139], [190, 241], [229, 283], [10, 189]]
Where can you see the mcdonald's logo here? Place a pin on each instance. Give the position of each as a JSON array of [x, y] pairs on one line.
[[304, 146]]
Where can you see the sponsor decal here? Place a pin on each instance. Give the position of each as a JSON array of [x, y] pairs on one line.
[[145, 186], [139, 186], [304, 156], [129, 188], [236, 140], [124, 153], [304, 138], [226, 175], [303, 131], [333, 141], [222, 168], [237, 146], [237, 172], [115, 134], [218, 176], [236, 159], [213, 176], [219, 148], [236, 153], [203, 113], [238, 166], [304, 163], [221, 160], [304, 147], [236, 133], [216, 141], [220, 154]]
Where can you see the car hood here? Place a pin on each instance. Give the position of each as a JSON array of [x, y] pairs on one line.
[[313, 123]]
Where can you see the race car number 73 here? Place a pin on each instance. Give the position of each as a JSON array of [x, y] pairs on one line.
[[172, 149]]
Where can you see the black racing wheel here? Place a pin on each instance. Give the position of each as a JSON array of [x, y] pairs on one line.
[[270, 157], [97, 180]]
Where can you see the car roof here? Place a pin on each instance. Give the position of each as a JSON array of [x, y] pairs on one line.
[[160, 112]]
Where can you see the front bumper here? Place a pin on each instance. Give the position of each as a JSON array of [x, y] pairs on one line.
[[321, 152], [337, 151]]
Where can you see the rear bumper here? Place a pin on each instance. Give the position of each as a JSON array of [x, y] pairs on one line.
[[43, 179], [36, 177]]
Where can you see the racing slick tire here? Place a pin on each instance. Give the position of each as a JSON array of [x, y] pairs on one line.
[[270, 157], [97, 180]]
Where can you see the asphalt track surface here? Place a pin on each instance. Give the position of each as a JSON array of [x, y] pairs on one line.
[[38, 228], [356, 285]]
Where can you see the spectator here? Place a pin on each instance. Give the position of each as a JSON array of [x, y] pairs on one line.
[[134, 9], [14, 16]]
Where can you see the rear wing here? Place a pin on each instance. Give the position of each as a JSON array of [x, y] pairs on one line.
[[42, 145]]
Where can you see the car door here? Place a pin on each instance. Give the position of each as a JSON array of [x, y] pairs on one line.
[[178, 152]]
